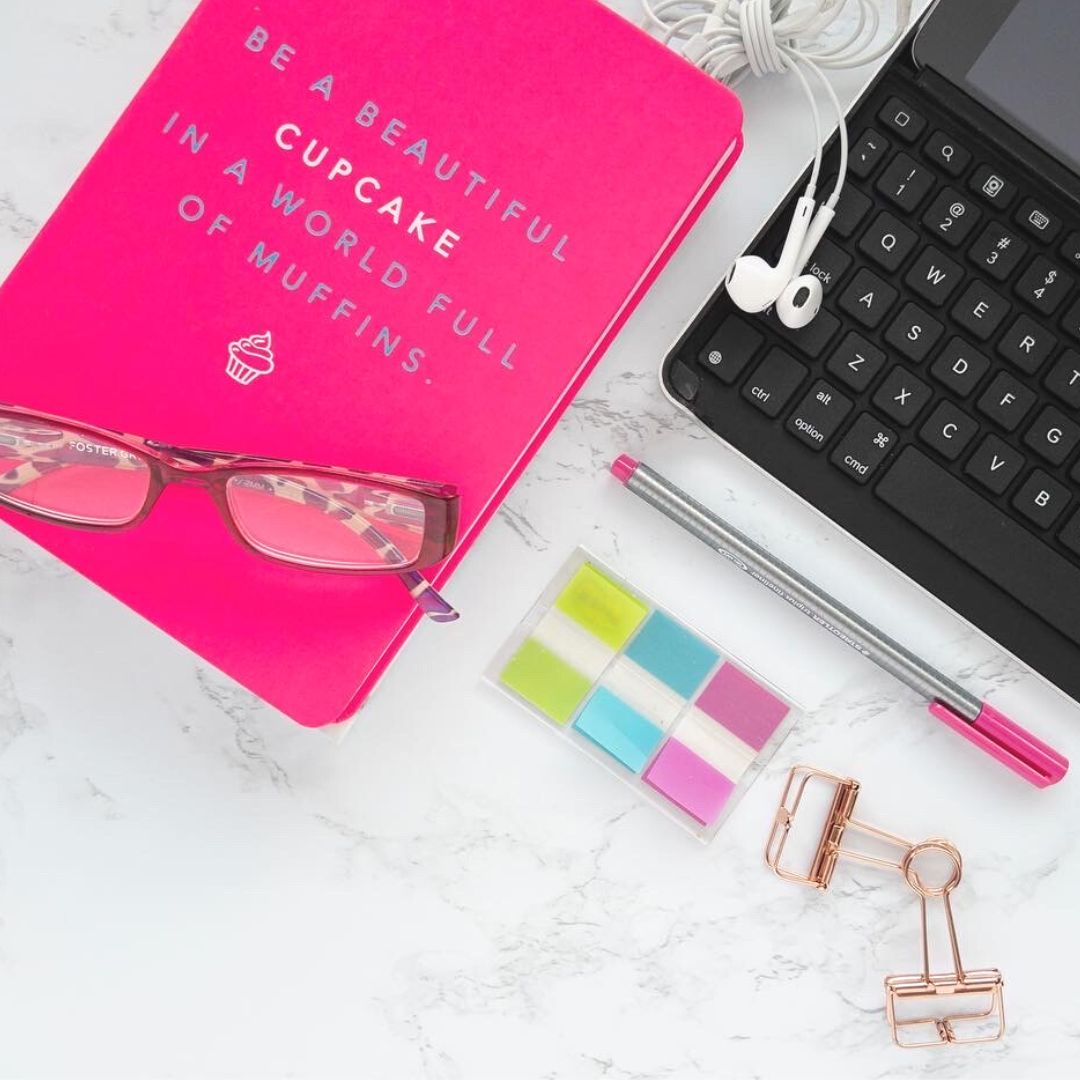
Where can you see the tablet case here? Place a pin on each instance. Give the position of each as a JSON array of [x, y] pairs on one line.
[[432, 220]]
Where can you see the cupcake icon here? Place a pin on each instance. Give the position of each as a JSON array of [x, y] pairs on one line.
[[250, 357]]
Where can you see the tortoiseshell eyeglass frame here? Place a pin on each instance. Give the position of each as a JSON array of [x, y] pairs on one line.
[[212, 469]]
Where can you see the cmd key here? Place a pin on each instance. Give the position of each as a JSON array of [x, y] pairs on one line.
[[862, 450]]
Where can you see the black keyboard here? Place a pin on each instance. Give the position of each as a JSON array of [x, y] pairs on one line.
[[933, 406]]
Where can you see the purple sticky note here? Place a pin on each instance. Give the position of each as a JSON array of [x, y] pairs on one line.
[[743, 706], [689, 782]]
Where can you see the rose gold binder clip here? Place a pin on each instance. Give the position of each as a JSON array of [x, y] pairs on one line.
[[958, 1006], [955, 1007], [838, 821]]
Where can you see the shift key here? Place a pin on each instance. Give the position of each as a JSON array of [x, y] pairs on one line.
[[863, 448], [774, 382], [817, 417]]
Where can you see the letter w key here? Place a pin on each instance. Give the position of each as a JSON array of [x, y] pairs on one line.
[[934, 277]]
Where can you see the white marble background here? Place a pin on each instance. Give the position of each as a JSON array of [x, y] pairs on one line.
[[192, 887]]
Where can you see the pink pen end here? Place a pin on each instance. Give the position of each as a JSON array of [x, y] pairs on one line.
[[1007, 742], [623, 467]]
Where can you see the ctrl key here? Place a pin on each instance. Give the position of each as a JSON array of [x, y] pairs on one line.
[[774, 382], [866, 445]]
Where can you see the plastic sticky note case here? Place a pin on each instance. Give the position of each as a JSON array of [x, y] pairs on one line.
[[651, 699]]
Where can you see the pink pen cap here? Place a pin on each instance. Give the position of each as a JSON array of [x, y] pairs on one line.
[[1007, 742], [623, 467]]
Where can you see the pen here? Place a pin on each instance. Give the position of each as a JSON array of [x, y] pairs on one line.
[[961, 710]]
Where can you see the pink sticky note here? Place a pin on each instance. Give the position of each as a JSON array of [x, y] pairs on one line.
[[689, 782], [743, 706]]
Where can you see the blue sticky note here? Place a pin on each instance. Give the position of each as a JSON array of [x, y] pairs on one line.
[[671, 653], [623, 732]]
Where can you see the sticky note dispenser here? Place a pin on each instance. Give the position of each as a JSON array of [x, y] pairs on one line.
[[954, 1007], [648, 697]]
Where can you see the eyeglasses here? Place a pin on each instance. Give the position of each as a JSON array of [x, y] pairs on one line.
[[306, 516]]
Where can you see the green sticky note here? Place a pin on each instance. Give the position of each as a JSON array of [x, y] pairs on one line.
[[546, 681], [605, 609]]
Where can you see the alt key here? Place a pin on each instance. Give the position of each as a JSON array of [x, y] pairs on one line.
[[819, 414]]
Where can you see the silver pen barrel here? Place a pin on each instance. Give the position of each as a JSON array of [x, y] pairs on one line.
[[801, 593]]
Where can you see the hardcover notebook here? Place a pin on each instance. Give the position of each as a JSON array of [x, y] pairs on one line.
[[431, 220]]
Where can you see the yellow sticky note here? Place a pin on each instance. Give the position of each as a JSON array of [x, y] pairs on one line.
[[605, 609]]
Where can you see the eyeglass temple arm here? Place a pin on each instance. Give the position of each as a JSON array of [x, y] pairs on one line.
[[427, 597], [420, 589]]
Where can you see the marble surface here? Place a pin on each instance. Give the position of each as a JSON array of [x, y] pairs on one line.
[[191, 887]]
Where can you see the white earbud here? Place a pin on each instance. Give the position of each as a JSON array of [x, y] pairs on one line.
[[753, 284], [801, 300], [730, 39]]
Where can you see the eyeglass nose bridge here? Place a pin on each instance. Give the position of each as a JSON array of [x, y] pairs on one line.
[[181, 459], [183, 478]]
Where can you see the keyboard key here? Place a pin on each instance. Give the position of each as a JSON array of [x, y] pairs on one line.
[[856, 362], [1027, 344], [998, 251], [829, 264], [810, 340], [774, 382], [934, 276], [901, 396], [1035, 218], [1006, 401], [1053, 436], [863, 448], [952, 217], [1070, 249], [981, 536], [980, 310], [948, 430], [888, 242], [995, 464], [1044, 285], [868, 298], [850, 210], [730, 349], [905, 182], [1063, 379], [818, 416], [914, 333], [993, 187], [867, 153], [1041, 499], [1070, 535], [959, 367], [901, 119], [945, 151], [1071, 322]]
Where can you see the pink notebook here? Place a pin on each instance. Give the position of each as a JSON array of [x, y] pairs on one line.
[[441, 216]]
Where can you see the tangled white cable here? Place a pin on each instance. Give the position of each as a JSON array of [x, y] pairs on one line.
[[730, 39]]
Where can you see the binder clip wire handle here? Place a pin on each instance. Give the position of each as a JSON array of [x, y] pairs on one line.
[[986, 1022]]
